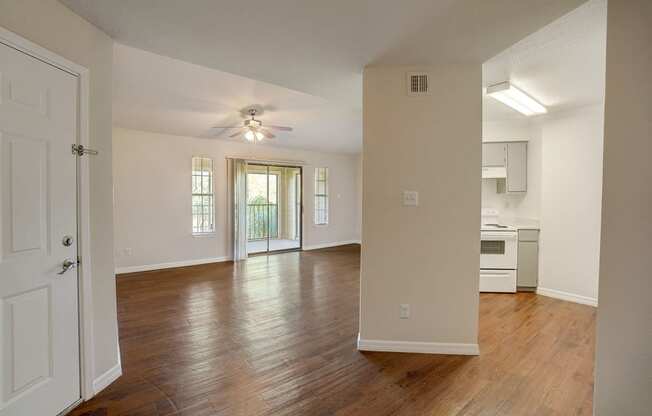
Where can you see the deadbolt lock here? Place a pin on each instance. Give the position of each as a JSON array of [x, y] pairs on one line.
[[67, 241]]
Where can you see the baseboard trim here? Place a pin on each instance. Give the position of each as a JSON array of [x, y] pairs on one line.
[[185, 263], [570, 297], [447, 348], [111, 375], [171, 265], [332, 244]]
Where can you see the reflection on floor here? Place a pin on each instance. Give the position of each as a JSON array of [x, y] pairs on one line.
[[276, 336], [260, 246]]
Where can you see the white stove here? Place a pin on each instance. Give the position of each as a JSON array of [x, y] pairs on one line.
[[498, 254]]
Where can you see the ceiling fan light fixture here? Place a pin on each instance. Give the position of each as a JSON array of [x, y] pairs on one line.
[[252, 135], [515, 98]]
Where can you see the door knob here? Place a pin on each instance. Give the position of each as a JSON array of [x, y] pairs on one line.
[[67, 265]]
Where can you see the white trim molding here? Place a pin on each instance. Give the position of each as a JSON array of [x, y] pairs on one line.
[[111, 375], [170, 265], [332, 244], [447, 348], [570, 297]]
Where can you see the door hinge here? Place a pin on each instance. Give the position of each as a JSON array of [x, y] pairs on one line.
[[80, 150]]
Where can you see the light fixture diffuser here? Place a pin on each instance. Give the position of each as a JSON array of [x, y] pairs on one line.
[[511, 96], [251, 135]]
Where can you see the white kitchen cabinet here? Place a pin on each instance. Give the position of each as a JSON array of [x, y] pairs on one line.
[[528, 259], [515, 180], [517, 167], [493, 154]]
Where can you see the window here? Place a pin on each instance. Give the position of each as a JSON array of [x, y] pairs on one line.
[[203, 201], [321, 196]]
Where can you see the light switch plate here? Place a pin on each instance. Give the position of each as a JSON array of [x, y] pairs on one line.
[[404, 311], [410, 198]]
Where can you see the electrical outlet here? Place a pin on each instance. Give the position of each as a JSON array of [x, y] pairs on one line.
[[404, 311], [127, 251]]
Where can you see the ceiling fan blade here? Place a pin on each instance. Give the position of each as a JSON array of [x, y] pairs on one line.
[[279, 128], [226, 127], [237, 133], [268, 134]]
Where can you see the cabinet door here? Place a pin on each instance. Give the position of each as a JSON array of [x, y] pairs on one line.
[[528, 263], [517, 167], [493, 154]]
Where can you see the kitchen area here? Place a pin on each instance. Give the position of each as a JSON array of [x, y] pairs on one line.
[[509, 247], [542, 147]]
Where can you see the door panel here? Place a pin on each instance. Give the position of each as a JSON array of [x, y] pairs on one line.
[[28, 321], [39, 373], [26, 198]]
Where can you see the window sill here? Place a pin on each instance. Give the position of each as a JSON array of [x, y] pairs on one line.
[[206, 234], [321, 225]]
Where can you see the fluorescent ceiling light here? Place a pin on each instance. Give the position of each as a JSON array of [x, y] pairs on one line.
[[509, 95]]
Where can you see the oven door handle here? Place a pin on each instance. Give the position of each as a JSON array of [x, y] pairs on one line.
[[497, 236]]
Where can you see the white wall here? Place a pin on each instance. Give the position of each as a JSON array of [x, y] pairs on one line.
[[54, 27], [358, 224], [571, 198], [624, 344], [517, 206], [426, 256], [152, 196]]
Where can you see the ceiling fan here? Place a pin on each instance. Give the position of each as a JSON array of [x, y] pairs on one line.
[[253, 129]]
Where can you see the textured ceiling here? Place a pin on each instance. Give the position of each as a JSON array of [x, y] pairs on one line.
[[562, 65], [303, 58], [315, 46]]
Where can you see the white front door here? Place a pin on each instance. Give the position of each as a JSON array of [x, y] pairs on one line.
[[39, 344]]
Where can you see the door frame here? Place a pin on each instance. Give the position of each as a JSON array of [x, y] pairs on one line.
[[85, 298], [291, 165]]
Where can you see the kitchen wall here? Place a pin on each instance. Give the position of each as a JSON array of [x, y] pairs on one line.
[[152, 171], [43, 22], [571, 198], [624, 331], [427, 256]]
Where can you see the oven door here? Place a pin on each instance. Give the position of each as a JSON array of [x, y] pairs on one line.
[[498, 249]]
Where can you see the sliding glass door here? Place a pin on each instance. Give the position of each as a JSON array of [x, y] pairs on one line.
[[273, 208]]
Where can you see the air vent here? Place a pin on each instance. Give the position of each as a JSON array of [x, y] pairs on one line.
[[417, 83]]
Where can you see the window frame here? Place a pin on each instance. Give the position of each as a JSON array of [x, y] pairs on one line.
[[211, 194], [325, 196]]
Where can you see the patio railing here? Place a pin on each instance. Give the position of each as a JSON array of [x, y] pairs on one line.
[[262, 220]]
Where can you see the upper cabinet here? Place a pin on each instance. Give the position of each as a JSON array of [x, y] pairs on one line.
[[493, 154], [511, 158], [517, 167]]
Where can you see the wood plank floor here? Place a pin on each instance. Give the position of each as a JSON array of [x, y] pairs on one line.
[[276, 335]]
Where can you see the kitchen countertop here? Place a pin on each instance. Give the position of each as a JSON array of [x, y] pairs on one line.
[[521, 223]]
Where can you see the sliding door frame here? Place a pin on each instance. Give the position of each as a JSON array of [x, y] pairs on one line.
[[300, 213]]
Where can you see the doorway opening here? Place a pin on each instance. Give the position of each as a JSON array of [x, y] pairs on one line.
[[274, 208]]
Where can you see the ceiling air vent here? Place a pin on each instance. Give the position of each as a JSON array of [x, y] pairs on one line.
[[417, 83]]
